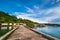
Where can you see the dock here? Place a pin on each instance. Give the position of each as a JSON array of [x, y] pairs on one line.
[[23, 33]]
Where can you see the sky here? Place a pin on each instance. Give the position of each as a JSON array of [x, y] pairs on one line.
[[41, 11]]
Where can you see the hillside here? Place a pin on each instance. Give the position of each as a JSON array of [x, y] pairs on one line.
[[6, 18]]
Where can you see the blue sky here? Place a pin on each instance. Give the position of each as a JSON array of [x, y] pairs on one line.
[[42, 11]]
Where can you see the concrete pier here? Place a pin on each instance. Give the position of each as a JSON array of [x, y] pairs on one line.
[[23, 33]]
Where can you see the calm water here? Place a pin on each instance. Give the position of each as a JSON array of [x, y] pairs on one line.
[[50, 30], [4, 31]]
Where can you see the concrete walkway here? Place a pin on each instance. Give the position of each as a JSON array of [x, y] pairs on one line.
[[23, 33]]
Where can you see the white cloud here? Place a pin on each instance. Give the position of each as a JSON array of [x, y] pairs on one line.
[[36, 7], [30, 18], [45, 19], [29, 10], [56, 14], [57, 0], [27, 16]]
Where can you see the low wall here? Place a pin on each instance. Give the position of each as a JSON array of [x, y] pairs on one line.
[[44, 35], [4, 37]]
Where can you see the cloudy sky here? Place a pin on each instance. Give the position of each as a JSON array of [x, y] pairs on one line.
[[42, 11]]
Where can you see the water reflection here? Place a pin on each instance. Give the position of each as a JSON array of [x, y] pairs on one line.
[[50, 30]]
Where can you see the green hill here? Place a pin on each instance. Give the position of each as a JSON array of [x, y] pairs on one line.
[[6, 18]]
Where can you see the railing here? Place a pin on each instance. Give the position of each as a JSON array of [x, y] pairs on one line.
[[10, 27], [7, 25]]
